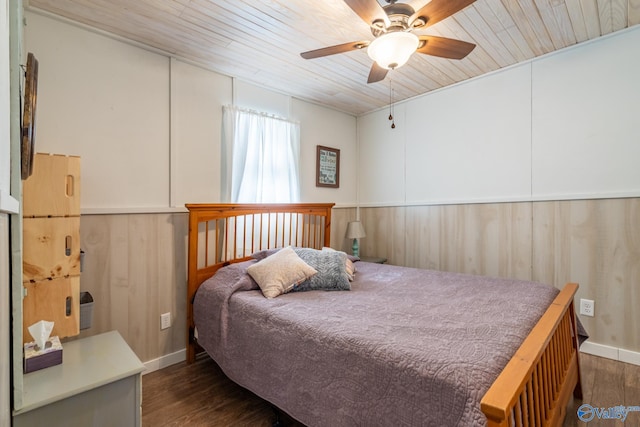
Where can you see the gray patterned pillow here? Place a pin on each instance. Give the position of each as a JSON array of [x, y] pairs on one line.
[[350, 266], [331, 267]]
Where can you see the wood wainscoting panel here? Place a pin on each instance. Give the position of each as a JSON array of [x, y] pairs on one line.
[[340, 217], [597, 244], [424, 248], [135, 264], [135, 269], [486, 239], [385, 229]]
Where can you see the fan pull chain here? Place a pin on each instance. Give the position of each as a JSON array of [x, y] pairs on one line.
[[390, 101], [391, 109]]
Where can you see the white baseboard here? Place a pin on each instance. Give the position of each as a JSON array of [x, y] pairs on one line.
[[165, 361], [627, 356], [609, 352]]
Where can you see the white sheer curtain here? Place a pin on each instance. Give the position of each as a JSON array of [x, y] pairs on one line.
[[260, 157]]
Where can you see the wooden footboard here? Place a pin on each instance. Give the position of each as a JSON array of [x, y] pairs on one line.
[[221, 234], [535, 386]]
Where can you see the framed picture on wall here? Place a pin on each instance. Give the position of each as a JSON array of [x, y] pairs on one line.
[[327, 167]]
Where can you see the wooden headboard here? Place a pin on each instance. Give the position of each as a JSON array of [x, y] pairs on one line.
[[221, 234]]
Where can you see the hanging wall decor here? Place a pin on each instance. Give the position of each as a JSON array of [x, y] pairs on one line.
[[29, 116], [327, 167]]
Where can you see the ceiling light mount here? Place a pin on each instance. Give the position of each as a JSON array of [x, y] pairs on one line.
[[398, 14]]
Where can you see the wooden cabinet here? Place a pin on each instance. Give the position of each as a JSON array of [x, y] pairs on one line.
[[54, 187], [51, 248], [51, 244], [53, 300], [98, 382]]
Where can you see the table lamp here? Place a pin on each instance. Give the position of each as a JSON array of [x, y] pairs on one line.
[[355, 231]]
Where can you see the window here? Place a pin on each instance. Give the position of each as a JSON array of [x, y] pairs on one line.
[[260, 157]]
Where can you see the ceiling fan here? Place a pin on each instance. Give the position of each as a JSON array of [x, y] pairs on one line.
[[394, 42]]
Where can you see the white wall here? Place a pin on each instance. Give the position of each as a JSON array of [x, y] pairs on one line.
[[463, 136], [107, 102], [258, 98], [148, 127], [586, 106], [5, 134], [382, 157], [563, 126], [330, 128], [196, 127]]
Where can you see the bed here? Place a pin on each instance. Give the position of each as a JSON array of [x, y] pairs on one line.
[[381, 353]]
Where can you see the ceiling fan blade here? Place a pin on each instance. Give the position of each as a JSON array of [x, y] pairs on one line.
[[369, 10], [444, 47], [332, 50], [377, 73], [437, 10]]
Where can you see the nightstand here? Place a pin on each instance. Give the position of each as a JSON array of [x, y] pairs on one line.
[[98, 383], [376, 260]]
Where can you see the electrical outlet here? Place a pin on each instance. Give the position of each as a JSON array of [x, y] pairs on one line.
[[165, 320], [587, 307]]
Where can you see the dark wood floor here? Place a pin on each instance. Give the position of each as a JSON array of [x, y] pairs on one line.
[[201, 395], [605, 384]]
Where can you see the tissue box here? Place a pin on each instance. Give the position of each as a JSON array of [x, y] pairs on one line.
[[35, 358]]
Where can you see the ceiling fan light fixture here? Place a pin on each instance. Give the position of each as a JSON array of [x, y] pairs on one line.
[[392, 50]]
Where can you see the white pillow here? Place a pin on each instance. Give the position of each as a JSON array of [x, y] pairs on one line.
[[279, 273]]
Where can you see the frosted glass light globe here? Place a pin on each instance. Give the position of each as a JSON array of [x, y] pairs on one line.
[[393, 50]]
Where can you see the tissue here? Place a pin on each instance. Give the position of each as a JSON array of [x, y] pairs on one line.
[[44, 351], [40, 332]]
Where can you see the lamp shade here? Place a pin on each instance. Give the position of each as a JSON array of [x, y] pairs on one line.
[[393, 50], [355, 230]]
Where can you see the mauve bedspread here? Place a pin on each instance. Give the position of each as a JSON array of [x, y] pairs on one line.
[[403, 347]]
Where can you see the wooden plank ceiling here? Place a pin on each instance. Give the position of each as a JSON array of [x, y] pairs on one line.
[[259, 41]]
